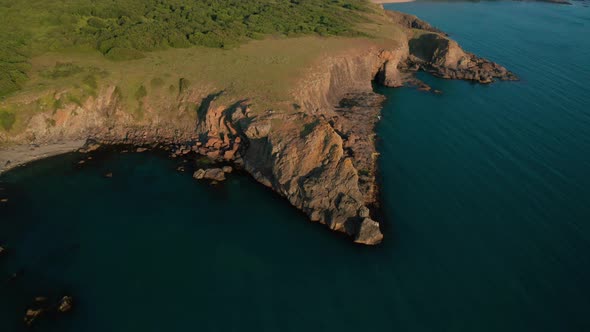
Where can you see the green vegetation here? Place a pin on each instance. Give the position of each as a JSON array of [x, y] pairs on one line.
[[90, 81], [62, 70], [140, 93], [7, 119], [157, 82], [126, 29]]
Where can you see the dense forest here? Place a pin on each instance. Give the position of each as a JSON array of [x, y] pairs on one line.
[[124, 29]]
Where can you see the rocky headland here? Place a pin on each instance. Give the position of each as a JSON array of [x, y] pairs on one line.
[[317, 150]]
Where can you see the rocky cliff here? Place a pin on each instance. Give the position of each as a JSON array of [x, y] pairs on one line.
[[319, 154]]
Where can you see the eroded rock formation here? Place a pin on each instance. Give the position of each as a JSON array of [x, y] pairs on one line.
[[444, 58]]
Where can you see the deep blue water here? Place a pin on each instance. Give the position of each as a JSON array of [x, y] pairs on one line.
[[486, 195]]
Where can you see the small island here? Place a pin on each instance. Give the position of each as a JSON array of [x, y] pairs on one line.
[[281, 90]]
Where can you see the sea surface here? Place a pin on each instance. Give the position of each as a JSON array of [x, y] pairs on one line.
[[486, 199]]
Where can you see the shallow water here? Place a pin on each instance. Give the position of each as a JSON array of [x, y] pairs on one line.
[[485, 193]]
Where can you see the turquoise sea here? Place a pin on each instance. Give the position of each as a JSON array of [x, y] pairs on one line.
[[485, 194]]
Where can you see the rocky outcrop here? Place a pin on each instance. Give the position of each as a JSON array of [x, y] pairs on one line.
[[444, 58], [323, 159]]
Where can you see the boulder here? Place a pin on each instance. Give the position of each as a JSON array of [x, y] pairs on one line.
[[90, 148], [214, 142], [139, 150], [369, 232], [215, 174], [364, 212], [31, 315], [65, 304], [227, 169], [199, 174], [229, 155], [213, 155]]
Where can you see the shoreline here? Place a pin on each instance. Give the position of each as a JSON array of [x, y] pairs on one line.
[[322, 160], [19, 155], [391, 1]]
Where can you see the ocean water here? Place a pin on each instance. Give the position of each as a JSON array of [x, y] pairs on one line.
[[485, 193]]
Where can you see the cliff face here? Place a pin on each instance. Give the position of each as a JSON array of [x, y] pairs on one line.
[[323, 159], [320, 156]]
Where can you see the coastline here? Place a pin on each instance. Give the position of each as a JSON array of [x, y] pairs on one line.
[[20, 155], [320, 156], [391, 1]]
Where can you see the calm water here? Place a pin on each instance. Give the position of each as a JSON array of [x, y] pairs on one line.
[[486, 191]]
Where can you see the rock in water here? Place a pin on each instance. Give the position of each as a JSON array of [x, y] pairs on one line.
[[65, 304], [215, 174], [227, 169], [369, 232], [42, 306], [199, 174], [31, 315]]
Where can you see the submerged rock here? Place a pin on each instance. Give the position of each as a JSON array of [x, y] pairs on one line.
[[31, 315], [65, 304], [42, 306]]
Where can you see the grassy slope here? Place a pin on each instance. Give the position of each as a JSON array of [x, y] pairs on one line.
[[264, 70], [126, 29]]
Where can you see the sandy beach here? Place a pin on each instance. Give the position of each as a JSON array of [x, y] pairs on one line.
[[15, 156]]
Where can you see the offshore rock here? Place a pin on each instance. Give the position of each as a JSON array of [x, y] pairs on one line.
[[31, 315], [215, 174], [65, 304], [42, 306], [369, 233]]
